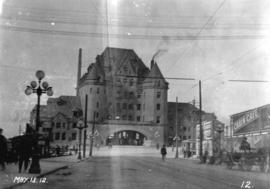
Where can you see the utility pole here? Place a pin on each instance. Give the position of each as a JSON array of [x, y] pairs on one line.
[[92, 136], [85, 125], [176, 128], [20, 130], [200, 117]]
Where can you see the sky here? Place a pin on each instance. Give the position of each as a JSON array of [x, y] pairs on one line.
[[212, 41]]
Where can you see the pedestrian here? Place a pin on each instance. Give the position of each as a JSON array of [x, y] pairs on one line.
[[163, 152], [24, 150], [157, 146], [3, 149], [57, 150]]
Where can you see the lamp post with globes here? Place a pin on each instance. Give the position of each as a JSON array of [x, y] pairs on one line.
[[38, 88]]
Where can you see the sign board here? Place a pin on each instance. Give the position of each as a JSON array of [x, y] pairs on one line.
[[251, 121], [245, 119]]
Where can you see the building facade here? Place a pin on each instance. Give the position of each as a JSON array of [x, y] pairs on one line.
[[254, 124], [57, 120], [129, 100]]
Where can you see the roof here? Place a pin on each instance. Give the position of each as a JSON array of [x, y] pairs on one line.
[[154, 73], [110, 61], [64, 105]]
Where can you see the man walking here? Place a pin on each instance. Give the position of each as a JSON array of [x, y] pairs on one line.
[[163, 152], [3, 149], [24, 150]]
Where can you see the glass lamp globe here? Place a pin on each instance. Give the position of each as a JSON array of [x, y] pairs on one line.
[[40, 74], [45, 85], [28, 90], [33, 84], [49, 91]]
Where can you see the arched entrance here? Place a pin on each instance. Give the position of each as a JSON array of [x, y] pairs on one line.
[[126, 137]]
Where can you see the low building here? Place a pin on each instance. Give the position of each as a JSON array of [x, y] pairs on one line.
[[253, 124]]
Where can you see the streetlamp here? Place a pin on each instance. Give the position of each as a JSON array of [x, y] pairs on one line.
[[80, 126], [38, 88]]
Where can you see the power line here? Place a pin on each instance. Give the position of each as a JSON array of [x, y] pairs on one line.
[[249, 81], [127, 25], [197, 35], [172, 78], [131, 36]]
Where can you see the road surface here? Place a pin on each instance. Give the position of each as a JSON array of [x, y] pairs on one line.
[[127, 172]]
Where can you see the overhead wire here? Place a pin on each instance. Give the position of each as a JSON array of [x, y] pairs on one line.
[[197, 35]]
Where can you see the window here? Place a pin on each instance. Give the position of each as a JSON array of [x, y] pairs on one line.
[[131, 94], [138, 118], [74, 125], [130, 106], [53, 124], [57, 136], [124, 117], [64, 125], [63, 136], [97, 114], [90, 90], [158, 83], [158, 119], [138, 95], [189, 137], [126, 94], [158, 106], [97, 104], [73, 136], [184, 137], [158, 94], [58, 125], [97, 90], [125, 68], [124, 107], [130, 82], [118, 107], [188, 129], [138, 106], [184, 128], [130, 118]]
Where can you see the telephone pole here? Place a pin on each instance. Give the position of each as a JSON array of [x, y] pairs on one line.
[[176, 129], [92, 136], [85, 125], [200, 118]]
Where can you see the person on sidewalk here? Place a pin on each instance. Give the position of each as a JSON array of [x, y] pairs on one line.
[[163, 152], [24, 150], [3, 149]]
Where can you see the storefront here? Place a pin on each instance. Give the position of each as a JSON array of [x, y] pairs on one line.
[[213, 132], [253, 124]]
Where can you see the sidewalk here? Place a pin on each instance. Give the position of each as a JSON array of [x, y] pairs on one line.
[[47, 166]]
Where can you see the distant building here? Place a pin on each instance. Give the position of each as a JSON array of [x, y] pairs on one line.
[[57, 120], [213, 135], [129, 99], [188, 122]]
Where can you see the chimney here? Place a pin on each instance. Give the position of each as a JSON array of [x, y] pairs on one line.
[[152, 63], [79, 71]]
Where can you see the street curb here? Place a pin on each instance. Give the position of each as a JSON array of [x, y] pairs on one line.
[[39, 176]]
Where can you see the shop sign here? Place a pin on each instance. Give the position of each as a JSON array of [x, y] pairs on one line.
[[245, 119]]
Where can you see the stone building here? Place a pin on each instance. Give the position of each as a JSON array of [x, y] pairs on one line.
[[57, 120], [128, 98]]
